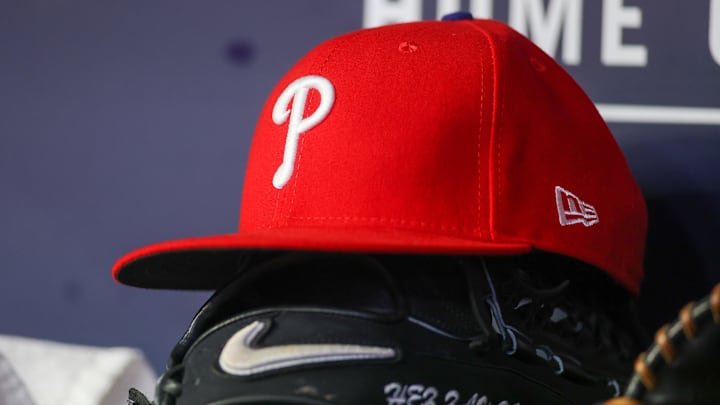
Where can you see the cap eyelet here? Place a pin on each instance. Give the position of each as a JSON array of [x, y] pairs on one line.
[[408, 47]]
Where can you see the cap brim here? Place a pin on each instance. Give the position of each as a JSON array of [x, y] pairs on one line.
[[207, 263]]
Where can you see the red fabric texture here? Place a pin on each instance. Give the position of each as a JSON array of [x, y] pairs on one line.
[[443, 137]]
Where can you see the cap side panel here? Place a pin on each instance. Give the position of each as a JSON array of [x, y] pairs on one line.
[[565, 183]]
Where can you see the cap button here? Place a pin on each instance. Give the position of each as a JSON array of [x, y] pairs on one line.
[[458, 15]]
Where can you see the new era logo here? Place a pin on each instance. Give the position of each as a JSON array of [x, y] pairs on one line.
[[572, 210]]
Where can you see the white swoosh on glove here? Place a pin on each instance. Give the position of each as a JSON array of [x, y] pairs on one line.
[[238, 357]]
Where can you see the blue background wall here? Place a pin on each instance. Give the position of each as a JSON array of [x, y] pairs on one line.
[[126, 123]]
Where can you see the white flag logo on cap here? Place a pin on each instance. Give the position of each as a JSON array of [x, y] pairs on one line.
[[298, 92], [572, 210]]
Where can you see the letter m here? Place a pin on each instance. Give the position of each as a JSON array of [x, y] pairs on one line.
[[543, 26]]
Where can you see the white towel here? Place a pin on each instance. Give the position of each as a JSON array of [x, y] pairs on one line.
[[12, 389], [60, 373]]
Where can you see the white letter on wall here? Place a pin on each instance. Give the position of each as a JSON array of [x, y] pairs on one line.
[[612, 50], [478, 8], [714, 33], [529, 18], [382, 12]]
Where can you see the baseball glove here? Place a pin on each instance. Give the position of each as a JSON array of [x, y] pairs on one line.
[[332, 329], [682, 366]]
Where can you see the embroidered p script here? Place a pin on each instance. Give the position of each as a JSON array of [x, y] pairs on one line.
[[298, 92]]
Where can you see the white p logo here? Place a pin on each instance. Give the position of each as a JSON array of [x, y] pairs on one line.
[[298, 92]]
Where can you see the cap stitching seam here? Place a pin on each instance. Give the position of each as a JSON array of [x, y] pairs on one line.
[[297, 168], [498, 134], [493, 133], [494, 167], [418, 223], [477, 145], [275, 220]]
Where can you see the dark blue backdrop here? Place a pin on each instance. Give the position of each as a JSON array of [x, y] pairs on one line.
[[126, 123]]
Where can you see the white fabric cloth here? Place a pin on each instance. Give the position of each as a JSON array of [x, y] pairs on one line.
[[52, 373], [12, 389]]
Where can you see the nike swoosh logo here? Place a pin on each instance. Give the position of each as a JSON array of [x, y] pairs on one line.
[[238, 357]]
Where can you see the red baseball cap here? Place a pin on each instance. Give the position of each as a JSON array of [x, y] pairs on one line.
[[441, 137]]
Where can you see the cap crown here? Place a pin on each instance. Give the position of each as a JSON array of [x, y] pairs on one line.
[[457, 130]]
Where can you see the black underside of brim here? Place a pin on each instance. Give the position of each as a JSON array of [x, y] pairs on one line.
[[199, 269]]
